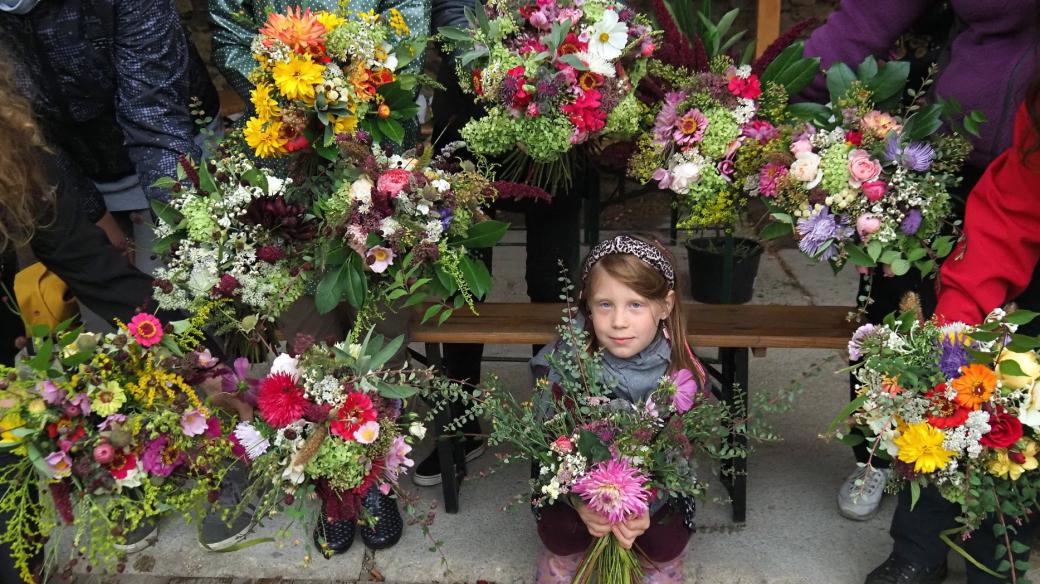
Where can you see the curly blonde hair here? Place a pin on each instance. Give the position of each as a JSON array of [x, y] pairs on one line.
[[24, 191]]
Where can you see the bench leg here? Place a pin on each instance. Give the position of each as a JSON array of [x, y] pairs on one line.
[[449, 449], [735, 391]]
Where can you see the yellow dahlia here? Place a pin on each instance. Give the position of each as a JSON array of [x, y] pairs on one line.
[[922, 445], [264, 137], [297, 77], [344, 124], [266, 106], [301, 31], [330, 20], [1011, 465]]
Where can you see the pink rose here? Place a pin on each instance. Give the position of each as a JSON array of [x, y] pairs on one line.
[[394, 181], [801, 146], [874, 190], [862, 167], [867, 225], [563, 445]]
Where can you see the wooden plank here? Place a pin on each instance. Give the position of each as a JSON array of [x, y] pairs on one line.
[[768, 26], [745, 325]]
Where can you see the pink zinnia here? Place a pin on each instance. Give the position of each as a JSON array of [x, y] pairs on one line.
[[690, 127], [769, 178], [685, 390], [160, 458], [614, 489], [146, 329]]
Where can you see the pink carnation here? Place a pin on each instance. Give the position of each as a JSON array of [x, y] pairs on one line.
[[394, 181]]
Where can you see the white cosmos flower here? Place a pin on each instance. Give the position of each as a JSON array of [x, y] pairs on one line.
[[608, 36]]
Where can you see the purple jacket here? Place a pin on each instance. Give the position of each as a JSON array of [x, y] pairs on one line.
[[990, 62]]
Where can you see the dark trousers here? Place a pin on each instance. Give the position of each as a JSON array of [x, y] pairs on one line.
[[564, 533], [916, 535]]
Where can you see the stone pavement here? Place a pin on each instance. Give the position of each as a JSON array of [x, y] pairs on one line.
[[793, 533]]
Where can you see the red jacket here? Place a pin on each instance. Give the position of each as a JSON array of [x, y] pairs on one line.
[[994, 261]]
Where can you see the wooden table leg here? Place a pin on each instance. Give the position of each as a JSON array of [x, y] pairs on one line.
[[735, 393]]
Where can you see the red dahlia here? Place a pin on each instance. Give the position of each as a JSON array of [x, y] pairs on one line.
[[281, 400]]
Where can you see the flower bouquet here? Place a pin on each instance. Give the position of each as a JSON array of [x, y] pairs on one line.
[[321, 74], [105, 435], [957, 408], [864, 180], [397, 230], [556, 76], [235, 242], [329, 422], [619, 458]]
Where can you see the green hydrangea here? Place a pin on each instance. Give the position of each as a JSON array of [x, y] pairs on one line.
[[950, 153], [773, 102], [674, 76], [545, 138], [339, 462], [199, 218], [645, 159], [835, 166], [594, 9], [492, 134], [719, 64], [339, 204], [624, 120], [710, 202], [722, 130]]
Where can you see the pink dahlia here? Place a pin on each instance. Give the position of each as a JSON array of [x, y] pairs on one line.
[[146, 329], [615, 489], [280, 400], [393, 181], [769, 178]]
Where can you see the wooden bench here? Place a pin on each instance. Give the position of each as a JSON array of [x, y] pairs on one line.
[[735, 329]]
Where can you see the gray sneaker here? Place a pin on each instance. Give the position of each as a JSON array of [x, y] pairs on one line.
[[860, 495], [145, 534], [222, 528]]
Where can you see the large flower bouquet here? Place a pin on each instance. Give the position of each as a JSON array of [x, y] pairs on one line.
[[234, 240], [955, 407], [864, 180], [617, 457], [321, 74], [105, 436], [398, 230], [329, 421], [556, 76]]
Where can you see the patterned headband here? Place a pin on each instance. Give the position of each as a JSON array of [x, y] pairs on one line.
[[649, 254]]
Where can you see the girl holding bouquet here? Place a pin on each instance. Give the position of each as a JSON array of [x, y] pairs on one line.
[[630, 308]]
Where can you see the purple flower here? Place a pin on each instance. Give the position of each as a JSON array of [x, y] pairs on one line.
[[664, 125], [194, 423], [685, 390], [81, 401], [397, 461], [726, 169], [911, 223], [113, 419], [239, 381], [51, 393], [820, 233], [160, 461], [856, 342], [954, 356], [690, 127], [916, 156], [59, 464], [807, 131]]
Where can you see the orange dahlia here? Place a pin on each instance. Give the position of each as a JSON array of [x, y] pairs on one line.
[[301, 31], [974, 386]]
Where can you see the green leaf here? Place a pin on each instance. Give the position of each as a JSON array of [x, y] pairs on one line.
[[206, 182], [889, 256], [1021, 317], [1010, 367], [774, 230], [444, 316], [590, 445], [166, 213], [942, 246], [432, 310], [925, 267], [900, 266], [867, 69], [413, 300], [915, 494], [470, 56], [329, 291], [845, 412], [392, 129], [923, 123], [37, 460], [785, 59], [859, 257], [915, 254], [889, 81], [456, 34], [44, 353], [386, 353], [469, 272], [575, 62], [874, 249], [391, 391], [839, 80], [799, 75], [484, 234], [1018, 547], [356, 288], [810, 112]]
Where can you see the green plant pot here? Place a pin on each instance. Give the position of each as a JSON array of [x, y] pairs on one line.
[[707, 265]]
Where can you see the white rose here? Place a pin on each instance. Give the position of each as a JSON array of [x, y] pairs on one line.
[[285, 364], [684, 175], [361, 190], [1029, 411], [417, 430], [806, 168]]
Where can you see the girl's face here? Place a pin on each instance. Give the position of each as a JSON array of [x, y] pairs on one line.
[[624, 322]]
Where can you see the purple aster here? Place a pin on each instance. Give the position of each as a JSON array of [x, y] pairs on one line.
[[446, 216], [911, 223], [820, 232], [808, 131], [954, 356], [664, 125], [916, 156], [856, 342]]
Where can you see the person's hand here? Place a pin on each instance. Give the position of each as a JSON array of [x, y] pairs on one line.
[[115, 235], [628, 530], [596, 523], [225, 401]]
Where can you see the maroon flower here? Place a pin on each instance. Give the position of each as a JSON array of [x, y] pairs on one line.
[[270, 253], [228, 286]]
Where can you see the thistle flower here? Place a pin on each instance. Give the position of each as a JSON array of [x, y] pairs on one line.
[[614, 489], [819, 232], [916, 156]]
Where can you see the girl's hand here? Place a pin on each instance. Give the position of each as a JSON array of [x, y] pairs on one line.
[[597, 524], [628, 530]]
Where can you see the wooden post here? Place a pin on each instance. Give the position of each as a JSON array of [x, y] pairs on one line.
[[768, 24]]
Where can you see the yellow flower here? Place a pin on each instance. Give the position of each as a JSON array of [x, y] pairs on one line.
[[922, 445], [1012, 464], [344, 124], [266, 106], [1027, 362], [369, 17], [108, 399], [329, 20], [11, 421], [297, 77], [398, 24], [265, 138]]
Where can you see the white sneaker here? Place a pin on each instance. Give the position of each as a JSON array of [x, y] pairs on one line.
[[860, 495]]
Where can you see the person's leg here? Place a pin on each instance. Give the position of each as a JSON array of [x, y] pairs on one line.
[[662, 546], [553, 235], [983, 543], [918, 555], [565, 538]]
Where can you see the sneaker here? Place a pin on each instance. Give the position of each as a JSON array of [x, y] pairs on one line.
[[333, 537], [896, 570], [145, 534], [388, 528], [428, 472], [217, 532], [860, 495]]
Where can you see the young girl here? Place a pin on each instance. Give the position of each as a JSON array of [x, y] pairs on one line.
[[632, 311]]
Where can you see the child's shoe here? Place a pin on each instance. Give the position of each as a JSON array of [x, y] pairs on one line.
[[554, 569], [663, 573]]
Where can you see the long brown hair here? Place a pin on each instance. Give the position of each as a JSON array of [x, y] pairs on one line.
[[652, 285], [24, 192]]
